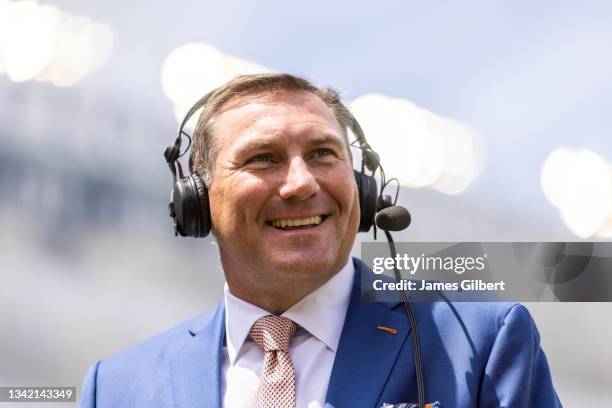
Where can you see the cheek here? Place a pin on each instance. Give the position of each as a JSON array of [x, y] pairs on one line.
[[352, 195], [346, 194], [355, 216], [236, 202]]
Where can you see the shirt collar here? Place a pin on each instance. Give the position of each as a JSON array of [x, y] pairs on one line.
[[321, 312]]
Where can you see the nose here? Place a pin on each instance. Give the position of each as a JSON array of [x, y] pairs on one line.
[[300, 183]]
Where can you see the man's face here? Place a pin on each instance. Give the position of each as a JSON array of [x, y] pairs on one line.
[[283, 199]]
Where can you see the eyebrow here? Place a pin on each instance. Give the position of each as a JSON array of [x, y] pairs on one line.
[[265, 143]]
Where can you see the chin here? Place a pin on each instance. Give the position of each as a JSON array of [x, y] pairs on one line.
[[304, 265]]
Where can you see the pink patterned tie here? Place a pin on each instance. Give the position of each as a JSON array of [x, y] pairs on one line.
[[277, 384]]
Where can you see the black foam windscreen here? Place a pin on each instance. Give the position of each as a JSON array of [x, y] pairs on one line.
[[394, 218]]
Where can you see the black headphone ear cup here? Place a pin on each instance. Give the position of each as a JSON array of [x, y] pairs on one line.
[[204, 205], [190, 208], [368, 198]]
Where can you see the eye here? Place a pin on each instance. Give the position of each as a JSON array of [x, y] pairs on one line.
[[323, 153], [261, 158]]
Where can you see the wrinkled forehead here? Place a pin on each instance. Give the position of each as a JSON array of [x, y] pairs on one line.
[[275, 113]]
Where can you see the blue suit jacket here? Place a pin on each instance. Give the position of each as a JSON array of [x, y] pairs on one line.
[[474, 355]]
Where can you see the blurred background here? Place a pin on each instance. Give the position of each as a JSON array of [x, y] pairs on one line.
[[494, 116]]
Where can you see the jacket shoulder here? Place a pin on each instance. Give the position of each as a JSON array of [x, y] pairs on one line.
[[149, 360], [156, 348], [141, 375]]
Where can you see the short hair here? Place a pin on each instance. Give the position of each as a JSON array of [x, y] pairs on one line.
[[204, 149]]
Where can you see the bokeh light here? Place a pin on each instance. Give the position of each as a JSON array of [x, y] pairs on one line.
[[44, 43], [29, 33], [418, 147], [192, 70], [579, 184]]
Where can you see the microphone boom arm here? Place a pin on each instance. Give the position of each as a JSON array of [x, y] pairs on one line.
[[416, 344]]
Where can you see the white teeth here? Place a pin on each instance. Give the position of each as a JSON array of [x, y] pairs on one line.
[[297, 222]]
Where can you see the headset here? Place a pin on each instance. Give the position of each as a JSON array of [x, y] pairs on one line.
[[189, 206], [190, 209]]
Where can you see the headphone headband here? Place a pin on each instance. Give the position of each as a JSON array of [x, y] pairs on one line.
[[371, 158], [189, 205]]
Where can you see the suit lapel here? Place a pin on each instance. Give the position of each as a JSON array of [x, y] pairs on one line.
[[366, 354], [196, 367]]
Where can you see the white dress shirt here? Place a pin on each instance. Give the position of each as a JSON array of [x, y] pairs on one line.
[[320, 316]]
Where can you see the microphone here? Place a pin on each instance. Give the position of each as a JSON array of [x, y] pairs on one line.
[[397, 218], [394, 218]]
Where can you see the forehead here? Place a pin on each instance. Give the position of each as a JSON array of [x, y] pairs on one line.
[[274, 115]]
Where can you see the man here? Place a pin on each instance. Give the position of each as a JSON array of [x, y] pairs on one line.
[[292, 329]]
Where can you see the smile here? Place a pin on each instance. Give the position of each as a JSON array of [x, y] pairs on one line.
[[291, 223]]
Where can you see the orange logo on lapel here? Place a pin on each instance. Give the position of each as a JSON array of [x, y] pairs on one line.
[[387, 329]]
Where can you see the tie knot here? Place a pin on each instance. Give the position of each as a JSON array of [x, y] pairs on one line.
[[273, 333]]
